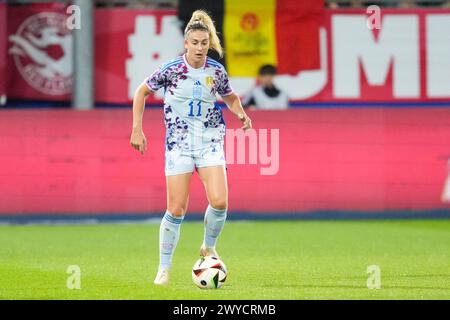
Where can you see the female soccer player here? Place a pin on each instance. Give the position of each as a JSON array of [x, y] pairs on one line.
[[195, 131]]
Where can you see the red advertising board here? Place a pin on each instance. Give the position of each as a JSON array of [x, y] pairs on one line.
[[304, 160], [406, 60], [39, 52]]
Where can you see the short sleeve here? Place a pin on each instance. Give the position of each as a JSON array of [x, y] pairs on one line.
[[156, 80], [223, 86]]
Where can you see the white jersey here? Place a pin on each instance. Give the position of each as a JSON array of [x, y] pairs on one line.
[[191, 117]]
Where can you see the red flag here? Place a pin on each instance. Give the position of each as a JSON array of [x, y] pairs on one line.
[[297, 34]]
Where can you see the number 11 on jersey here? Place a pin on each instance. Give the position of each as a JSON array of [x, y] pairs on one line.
[[191, 111]]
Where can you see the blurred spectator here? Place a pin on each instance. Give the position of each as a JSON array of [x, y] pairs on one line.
[[266, 95], [430, 3], [385, 4], [356, 4], [332, 5], [407, 4]]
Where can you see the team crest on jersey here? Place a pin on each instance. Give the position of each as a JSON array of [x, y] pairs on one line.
[[209, 81]]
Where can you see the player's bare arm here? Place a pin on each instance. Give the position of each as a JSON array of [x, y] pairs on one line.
[[138, 140], [234, 104]]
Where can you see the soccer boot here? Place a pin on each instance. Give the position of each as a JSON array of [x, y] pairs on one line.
[[211, 251], [162, 277]]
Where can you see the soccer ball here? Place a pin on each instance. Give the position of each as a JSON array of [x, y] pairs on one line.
[[209, 273]]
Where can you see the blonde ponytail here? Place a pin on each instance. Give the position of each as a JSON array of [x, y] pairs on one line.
[[200, 20]]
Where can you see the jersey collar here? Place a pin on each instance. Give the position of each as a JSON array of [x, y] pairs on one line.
[[191, 67]]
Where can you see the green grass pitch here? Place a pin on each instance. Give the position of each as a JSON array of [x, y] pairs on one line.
[[266, 260]]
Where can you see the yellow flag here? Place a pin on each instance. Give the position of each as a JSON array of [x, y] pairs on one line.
[[249, 31]]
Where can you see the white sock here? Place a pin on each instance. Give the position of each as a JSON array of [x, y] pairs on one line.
[[214, 222], [169, 233]]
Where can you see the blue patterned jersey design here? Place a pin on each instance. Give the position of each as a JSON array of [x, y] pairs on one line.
[[192, 119]]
